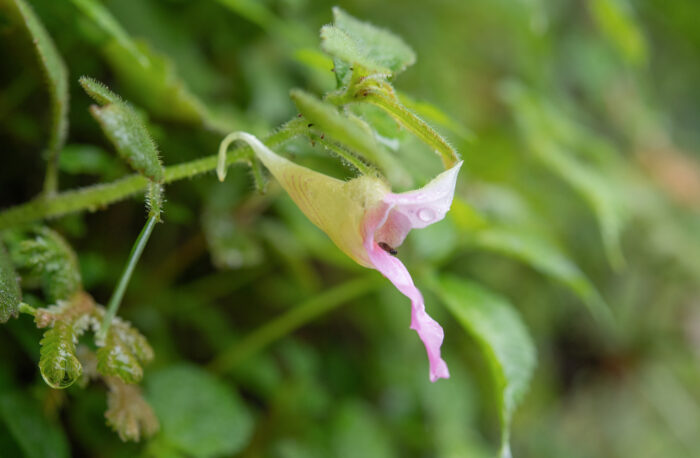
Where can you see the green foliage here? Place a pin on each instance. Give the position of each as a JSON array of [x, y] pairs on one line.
[[616, 21], [199, 415], [45, 254], [546, 257], [99, 92], [10, 293], [59, 364], [350, 131], [57, 76], [506, 344], [371, 49], [357, 433], [37, 436], [126, 131], [123, 352]]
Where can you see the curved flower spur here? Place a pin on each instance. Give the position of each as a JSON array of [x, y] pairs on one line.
[[366, 221]]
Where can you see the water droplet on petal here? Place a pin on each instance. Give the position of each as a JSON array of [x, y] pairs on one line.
[[426, 215]]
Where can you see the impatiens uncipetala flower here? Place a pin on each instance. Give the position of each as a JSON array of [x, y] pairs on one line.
[[366, 221]]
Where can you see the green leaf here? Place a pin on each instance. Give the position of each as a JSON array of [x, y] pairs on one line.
[[498, 329], [57, 76], [360, 43], [123, 352], [35, 434], [124, 128], [549, 135], [616, 21], [199, 414], [99, 92], [544, 256], [157, 87], [104, 19], [10, 293], [350, 131], [58, 362], [357, 433], [44, 253]]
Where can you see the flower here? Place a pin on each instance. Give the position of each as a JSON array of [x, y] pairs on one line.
[[366, 221]]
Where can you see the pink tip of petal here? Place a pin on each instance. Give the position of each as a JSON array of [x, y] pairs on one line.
[[428, 329]]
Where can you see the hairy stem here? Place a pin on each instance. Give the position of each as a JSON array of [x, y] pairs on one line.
[[98, 196], [118, 293], [387, 102], [294, 319]]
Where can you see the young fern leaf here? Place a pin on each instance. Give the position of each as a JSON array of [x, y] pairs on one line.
[[48, 256], [57, 76], [123, 351], [58, 362], [128, 413]]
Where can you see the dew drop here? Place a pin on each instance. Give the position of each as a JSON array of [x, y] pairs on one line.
[[426, 215]]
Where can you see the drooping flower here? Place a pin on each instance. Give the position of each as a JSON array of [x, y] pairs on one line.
[[366, 221]]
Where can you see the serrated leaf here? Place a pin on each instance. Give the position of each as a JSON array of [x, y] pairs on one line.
[[58, 362], [57, 76], [374, 49], [44, 253], [199, 414], [498, 329], [124, 128], [128, 413], [35, 434], [350, 131], [123, 352], [10, 293], [544, 256]]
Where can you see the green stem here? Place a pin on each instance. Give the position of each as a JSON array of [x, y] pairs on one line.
[[292, 320], [118, 294], [387, 102], [347, 156], [95, 197]]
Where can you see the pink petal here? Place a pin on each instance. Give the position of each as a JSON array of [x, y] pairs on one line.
[[417, 209], [428, 329]]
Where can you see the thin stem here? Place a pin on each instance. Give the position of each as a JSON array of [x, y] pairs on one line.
[[347, 156], [118, 294], [98, 196], [292, 320], [379, 97]]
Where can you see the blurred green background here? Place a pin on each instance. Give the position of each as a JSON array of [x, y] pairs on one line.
[[579, 125]]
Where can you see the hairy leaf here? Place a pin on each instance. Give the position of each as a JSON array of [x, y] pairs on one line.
[[497, 327], [99, 92], [57, 76], [124, 128], [199, 414], [58, 362], [36, 435], [123, 352], [10, 293], [360, 43]]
